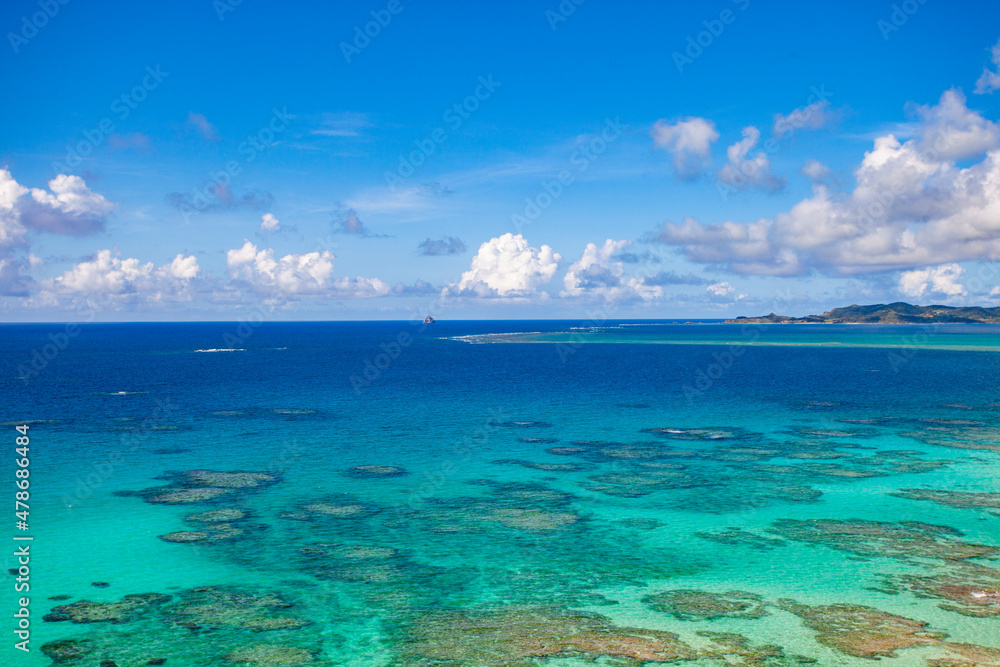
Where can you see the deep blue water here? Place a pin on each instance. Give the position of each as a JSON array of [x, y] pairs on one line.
[[482, 519]]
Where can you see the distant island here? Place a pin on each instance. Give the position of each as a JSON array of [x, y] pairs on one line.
[[893, 313]]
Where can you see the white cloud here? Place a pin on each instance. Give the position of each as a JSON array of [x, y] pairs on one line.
[[816, 170], [348, 222], [954, 132], [347, 124], [108, 274], [597, 273], [269, 224], [200, 124], [296, 274], [68, 207], [721, 289], [754, 172], [912, 207], [12, 231], [506, 266], [814, 116], [183, 267], [360, 287], [689, 140], [14, 279], [989, 80], [942, 280], [415, 202]]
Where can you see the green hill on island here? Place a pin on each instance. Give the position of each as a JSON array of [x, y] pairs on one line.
[[893, 313]]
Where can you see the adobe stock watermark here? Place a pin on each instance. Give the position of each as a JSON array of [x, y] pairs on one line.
[[30, 25], [600, 317], [454, 117], [579, 162], [223, 7], [363, 35], [391, 350], [248, 325], [899, 17], [373, 368], [249, 150], [562, 12], [747, 169], [699, 42], [58, 342], [121, 107], [100, 472], [433, 481], [903, 355], [723, 362], [879, 208]]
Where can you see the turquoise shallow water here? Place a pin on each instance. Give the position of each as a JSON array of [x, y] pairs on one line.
[[534, 504]]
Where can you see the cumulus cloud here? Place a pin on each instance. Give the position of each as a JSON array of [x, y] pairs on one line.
[[348, 222], [199, 123], [436, 247], [12, 229], [817, 171], [943, 280], [108, 274], [911, 207], [742, 171], [506, 266], [689, 140], [269, 224], [989, 80], [952, 130], [597, 273], [294, 275], [813, 116], [418, 288], [720, 289], [68, 207], [14, 277]]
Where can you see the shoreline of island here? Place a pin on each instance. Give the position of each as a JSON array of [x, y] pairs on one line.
[[893, 313]]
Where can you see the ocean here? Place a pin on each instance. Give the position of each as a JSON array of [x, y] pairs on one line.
[[504, 493]]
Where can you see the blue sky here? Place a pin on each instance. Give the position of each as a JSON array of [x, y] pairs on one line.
[[245, 159]]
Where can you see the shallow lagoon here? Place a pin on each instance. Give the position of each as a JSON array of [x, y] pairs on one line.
[[818, 499]]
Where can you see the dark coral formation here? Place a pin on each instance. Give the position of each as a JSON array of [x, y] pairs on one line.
[[548, 467], [956, 499], [210, 608], [708, 433], [735, 536], [694, 605], [905, 540], [966, 655], [376, 471], [126, 610], [270, 654], [516, 636], [198, 626], [954, 436], [860, 631], [965, 588], [68, 650], [202, 486], [216, 526]]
